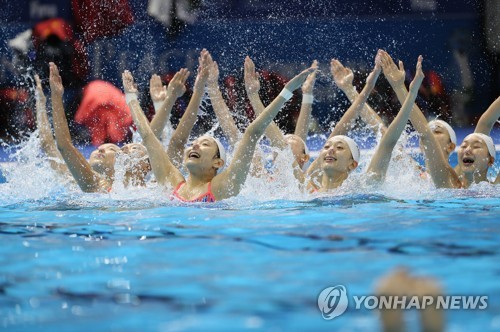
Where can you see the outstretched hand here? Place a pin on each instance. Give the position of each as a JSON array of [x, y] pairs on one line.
[[342, 76], [55, 80], [308, 85], [392, 73], [201, 78], [157, 90], [128, 82], [297, 81], [419, 76], [252, 84], [213, 71], [41, 100], [177, 85]]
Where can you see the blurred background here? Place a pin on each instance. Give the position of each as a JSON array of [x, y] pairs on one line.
[[97, 39]]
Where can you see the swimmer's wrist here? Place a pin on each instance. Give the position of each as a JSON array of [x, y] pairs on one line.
[[307, 98], [286, 94], [157, 105], [129, 96]]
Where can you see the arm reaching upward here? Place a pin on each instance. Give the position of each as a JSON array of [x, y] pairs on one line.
[[441, 172], [47, 142], [488, 119], [220, 108], [343, 78], [252, 86], [302, 126], [164, 98], [353, 112], [229, 182], [79, 167], [380, 160], [165, 172], [186, 124]]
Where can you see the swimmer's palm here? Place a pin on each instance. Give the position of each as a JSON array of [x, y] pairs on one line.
[[157, 90], [343, 78]]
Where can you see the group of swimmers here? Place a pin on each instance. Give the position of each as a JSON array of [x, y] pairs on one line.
[[200, 172]]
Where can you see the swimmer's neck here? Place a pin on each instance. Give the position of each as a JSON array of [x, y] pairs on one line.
[[473, 177], [196, 181], [333, 181]]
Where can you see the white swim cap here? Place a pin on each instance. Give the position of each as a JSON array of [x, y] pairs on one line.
[[352, 146], [222, 151], [451, 132], [487, 140]]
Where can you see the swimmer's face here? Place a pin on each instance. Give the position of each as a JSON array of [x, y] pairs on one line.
[[103, 158], [135, 150], [298, 149], [443, 137], [336, 156], [138, 156], [473, 155], [202, 153]]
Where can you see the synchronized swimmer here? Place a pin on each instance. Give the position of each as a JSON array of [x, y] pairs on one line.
[[201, 172]]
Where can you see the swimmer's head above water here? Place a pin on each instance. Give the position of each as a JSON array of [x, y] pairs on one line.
[[339, 154], [102, 160], [204, 155], [476, 153], [137, 165], [299, 149], [445, 135]]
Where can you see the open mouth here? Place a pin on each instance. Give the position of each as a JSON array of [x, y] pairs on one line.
[[194, 154], [330, 159], [467, 161]]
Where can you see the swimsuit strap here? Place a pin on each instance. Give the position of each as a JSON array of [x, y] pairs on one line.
[[206, 197]]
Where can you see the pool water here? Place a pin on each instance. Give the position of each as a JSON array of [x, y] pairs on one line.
[[136, 261]]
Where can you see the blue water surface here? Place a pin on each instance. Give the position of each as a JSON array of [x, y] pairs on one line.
[[69, 264]]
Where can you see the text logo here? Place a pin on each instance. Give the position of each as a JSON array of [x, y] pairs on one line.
[[332, 302]]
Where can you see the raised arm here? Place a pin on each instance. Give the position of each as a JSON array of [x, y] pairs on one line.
[[357, 105], [343, 78], [441, 172], [186, 124], [252, 87], [47, 141], [79, 167], [302, 126], [165, 172], [219, 105], [489, 118], [164, 99], [229, 182], [345, 123], [380, 160]]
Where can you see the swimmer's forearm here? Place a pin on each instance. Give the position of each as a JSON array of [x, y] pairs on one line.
[[302, 126], [163, 169], [223, 114], [368, 114], [488, 118], [181, 134], [162, 116], [272, 131], [347, 121]]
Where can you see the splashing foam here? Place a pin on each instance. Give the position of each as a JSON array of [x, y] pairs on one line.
[[30, 178]]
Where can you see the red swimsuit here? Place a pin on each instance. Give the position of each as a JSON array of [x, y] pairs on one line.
[[207, 197]]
